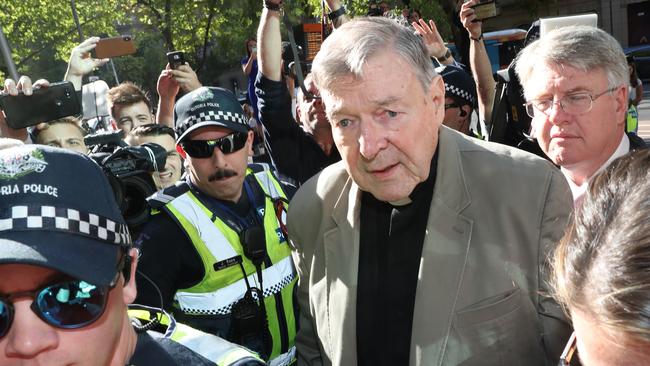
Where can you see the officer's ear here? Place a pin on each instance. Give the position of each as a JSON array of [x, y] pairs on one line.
[[129, 291]]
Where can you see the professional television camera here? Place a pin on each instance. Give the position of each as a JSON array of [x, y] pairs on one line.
[[128, 169]]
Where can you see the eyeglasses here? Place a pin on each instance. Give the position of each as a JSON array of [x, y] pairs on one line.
[[204, 148], [578, 103], [66, 305], [569, 351]]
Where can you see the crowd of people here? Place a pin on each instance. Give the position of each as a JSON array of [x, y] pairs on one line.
[[377, 224]]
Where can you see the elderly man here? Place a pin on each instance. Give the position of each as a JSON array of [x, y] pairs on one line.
[[576, 82], [423, 246], [67, 274]]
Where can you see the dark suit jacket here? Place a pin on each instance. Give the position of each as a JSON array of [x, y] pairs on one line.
[[495, 214]]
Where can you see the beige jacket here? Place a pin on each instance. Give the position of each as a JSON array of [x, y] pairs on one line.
[[495, 214]]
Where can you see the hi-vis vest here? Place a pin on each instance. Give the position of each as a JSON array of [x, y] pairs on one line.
[[216, 242], [218, 350], [632, 120]]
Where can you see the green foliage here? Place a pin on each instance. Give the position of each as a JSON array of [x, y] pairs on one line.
[[212, 33]]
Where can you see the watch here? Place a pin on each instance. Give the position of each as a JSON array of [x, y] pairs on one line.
[[445, 57], [336, 13]]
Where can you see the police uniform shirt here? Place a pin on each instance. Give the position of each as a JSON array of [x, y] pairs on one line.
[[391, 239]]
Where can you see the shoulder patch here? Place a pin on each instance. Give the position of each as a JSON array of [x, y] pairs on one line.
[[166, 195]]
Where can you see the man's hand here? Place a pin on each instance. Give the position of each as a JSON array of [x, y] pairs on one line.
[[12, 87], [167, 87], [81, 63], [431, 37], [467, 17], [186, 78]]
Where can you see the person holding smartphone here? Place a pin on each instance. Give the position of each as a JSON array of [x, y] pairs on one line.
[[249, 66]]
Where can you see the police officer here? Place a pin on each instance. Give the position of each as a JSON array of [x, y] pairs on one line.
[[216, 243], [66, 265]]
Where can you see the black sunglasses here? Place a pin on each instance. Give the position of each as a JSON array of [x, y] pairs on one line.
[[66, 305], [204, 148]]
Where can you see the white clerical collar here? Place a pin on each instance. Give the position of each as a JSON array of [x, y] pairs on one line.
[[578, 190]]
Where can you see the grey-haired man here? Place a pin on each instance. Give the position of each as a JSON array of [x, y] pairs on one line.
[[423, 246]]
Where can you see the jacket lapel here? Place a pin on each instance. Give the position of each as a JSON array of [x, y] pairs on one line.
[[342, 262], [444, 254]]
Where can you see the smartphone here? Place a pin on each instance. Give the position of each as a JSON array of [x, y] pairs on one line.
[[175, 59], [485, 10], [45, 104], [114, 47]]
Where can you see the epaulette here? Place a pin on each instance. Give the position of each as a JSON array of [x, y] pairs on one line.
[[166, 195]]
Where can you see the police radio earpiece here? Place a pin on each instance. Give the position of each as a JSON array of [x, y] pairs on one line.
[[462, 112], [126, 271]]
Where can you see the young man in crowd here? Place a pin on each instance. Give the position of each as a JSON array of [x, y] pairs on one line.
[[65, 133], [406, 251], [129, 106], [575, 81], [216, 244], [67, 274], [163, 136]]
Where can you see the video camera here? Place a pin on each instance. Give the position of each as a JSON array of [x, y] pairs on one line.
[[128, 169]]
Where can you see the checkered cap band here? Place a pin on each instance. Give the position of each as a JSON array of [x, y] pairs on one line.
[[461, 93], [211, 115], [71, 221]]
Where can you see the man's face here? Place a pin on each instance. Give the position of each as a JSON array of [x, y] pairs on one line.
[[310, 111], [131, 116], [64, 135], [32, 341], [578, 143], [172, 171], [221, 175], [386, 135], [454, 116]]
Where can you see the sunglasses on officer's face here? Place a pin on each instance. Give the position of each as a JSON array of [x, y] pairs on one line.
[[67, 305], [204, 148]]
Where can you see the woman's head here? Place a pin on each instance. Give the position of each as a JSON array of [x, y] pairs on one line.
[[601, 268], [250, 44]]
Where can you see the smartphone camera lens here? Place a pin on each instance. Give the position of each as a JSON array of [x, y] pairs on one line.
[[58, 103], [127, 38]]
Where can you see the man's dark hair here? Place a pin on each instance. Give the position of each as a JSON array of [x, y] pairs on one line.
[[127, 93], [152, 129], [36, 130]]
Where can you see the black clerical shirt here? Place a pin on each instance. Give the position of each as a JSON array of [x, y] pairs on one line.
[[391, 239]]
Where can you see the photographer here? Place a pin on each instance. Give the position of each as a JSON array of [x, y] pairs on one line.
[[65, 133], [163, 136], [298, 152]]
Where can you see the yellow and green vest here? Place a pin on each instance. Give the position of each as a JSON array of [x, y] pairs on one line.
[[216, 242]]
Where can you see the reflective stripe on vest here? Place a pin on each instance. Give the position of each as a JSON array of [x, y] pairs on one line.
[[212, 237], [220, 301], [213, 348], [285, 358]]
